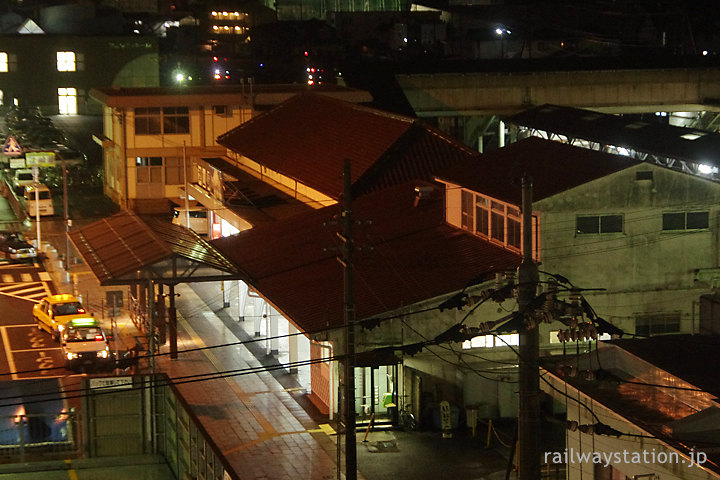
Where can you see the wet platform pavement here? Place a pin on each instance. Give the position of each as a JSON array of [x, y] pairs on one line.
[[262, 421]]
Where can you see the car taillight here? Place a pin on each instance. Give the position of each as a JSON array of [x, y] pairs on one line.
[[98, 338], [81, 310]]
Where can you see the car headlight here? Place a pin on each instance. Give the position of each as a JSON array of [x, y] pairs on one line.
[[71, 355], [12, 250], [61, 328], [102, 354]]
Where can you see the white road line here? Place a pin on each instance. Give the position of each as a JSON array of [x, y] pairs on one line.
[[45, 277], [26, 277], [34, 288], [10, 359], [7, 278], [25, 350]]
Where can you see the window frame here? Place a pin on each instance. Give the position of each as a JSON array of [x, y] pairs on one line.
[[599, 224], [685, 215], [162, 120], [659, 323], [66, 61], [482, 215]]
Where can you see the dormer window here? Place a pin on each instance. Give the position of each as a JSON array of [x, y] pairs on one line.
[[486, 217]]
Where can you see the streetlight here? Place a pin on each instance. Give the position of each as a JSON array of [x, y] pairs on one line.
[[502, 32]]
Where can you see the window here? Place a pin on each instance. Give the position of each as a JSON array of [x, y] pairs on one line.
[[482, 214], [148, 121], [466, 210], [67, 101], [221, 110], [489, 341], [3, 62], [66, 61], [166, 120], [174, 171], [685, 220], [599, 224], [175, 120], [149, 169], [490, 218], [657, 323], [513, 227], [497, 221]]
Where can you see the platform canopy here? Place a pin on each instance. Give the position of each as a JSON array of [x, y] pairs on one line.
[[125, 248]]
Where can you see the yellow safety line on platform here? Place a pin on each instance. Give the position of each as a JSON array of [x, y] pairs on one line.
[[72, 475], [242, 395]]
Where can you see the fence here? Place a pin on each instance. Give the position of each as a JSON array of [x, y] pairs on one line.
[[28, 437]]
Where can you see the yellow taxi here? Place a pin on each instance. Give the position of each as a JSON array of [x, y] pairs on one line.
[[54, 312]]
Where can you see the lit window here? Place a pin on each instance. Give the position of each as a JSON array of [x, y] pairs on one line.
[[3, 62], [2, 98], [67, 101], [491, 219], [66, 61], [149, 170]]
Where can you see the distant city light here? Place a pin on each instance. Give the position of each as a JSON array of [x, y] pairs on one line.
[[623, 151]]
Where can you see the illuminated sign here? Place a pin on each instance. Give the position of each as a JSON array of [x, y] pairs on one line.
[[40, 159]]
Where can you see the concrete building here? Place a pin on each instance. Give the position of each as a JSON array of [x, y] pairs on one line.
[[57, 72], [152, 136], [642, 234]]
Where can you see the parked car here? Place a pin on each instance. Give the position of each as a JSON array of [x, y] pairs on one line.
[[53, 313], [16, 248], [85, 346], [22, 178]]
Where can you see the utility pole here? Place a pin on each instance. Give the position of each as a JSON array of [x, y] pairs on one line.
[[529, 409], [349, 300]]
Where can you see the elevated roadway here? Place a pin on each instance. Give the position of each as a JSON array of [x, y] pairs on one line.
[[467, 104]]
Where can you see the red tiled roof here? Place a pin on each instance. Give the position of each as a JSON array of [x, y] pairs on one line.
[[308, 137], [415, 256], [553, 166]]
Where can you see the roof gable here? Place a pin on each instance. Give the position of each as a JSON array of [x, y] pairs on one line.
[[308, 137], [407, 254], [553, 166]]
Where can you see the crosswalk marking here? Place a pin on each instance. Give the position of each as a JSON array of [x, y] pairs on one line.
[[45, 277], [33, 291], [7, 278], [26, 277]]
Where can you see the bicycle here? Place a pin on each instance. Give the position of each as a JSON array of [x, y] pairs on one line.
[[407, 419]]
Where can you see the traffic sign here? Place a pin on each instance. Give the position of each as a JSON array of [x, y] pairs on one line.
[[12, 148]]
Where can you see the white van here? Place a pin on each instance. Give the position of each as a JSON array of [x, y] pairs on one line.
[[198, 219], [45, 204], [22, 178]]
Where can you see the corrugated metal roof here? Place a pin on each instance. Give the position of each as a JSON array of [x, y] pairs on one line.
[[124, 243], [308, 137], [606, 129], [415, 256], [553, 166]]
